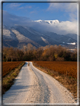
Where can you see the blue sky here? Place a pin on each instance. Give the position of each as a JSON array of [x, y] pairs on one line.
[[43, 11]]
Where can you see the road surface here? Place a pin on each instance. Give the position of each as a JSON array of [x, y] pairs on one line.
[[35, 86]]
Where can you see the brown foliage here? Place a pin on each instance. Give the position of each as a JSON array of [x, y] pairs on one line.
[[47, 53], [9, 66], [63, 67]]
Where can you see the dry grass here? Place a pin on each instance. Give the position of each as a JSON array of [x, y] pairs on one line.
[[61, 72], [8, 79]]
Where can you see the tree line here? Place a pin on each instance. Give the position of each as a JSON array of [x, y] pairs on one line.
[[47, 53]]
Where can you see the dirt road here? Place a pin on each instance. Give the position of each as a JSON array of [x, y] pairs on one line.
[[35, 86]]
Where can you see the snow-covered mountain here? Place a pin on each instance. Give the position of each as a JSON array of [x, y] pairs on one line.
[[19, 36], [21, 31], [48, 21]]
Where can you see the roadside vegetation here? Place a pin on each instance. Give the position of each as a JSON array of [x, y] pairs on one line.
[[63, 71], [10, 71]]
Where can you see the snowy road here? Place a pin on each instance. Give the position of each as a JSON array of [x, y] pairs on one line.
[[35, 86]]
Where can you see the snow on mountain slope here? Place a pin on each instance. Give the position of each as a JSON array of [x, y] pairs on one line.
[[19, 36], [48, 21], [13, 37], [74, 43], [44, 40], [7, 33], [22, 38], [24, 35]]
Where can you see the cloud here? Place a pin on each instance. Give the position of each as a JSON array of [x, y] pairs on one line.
[[25, 7], [70, 8], [64, 27], [53, 6], [33, 12], [28, 6], [14, 5]]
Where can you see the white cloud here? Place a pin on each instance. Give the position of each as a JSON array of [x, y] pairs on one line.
[[64, 27], [34, 11], [14, 5], [28, 6], [53, 6], [70, 8], [25, 7]]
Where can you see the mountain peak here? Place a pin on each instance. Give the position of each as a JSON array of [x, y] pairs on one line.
[[48, 21]]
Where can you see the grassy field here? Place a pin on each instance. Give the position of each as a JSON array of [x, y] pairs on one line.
[[10, 71], [63, 71]]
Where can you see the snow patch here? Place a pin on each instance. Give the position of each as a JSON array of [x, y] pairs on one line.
[[6, 33], [44, 40], [48, 21], [19, 36], [63, 42], [74, 43]]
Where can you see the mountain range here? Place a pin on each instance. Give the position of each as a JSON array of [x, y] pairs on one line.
[[20, 31]]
